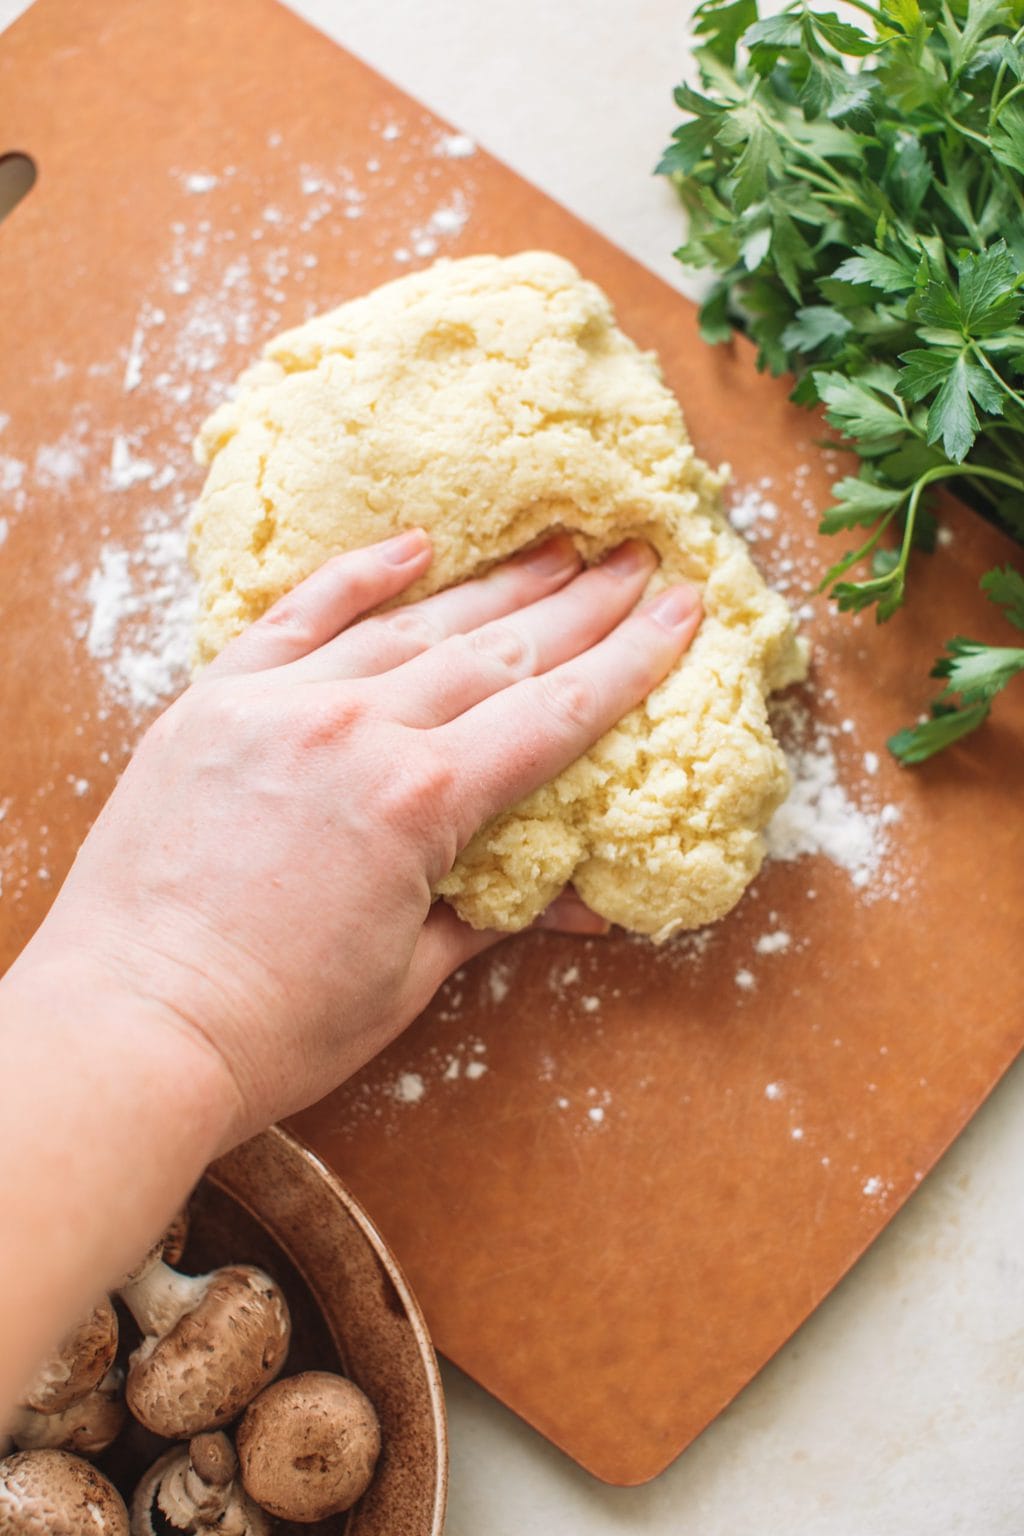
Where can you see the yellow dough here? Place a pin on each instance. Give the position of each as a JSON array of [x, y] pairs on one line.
[[492, 400]]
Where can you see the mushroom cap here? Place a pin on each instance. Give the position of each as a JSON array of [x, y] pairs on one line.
[[86, 1428], [308, 1446], [49, 1493], [213, 1458], [215, 1359], [79, 1363]]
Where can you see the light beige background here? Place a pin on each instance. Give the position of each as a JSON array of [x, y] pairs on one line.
[[900, 1407]]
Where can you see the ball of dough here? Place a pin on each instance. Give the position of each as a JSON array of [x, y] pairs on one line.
[[494, 400]]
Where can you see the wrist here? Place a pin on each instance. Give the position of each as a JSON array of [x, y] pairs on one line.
[[76, 995]]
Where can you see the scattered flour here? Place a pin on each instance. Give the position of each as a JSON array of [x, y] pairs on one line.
[[126, 469], [58, 463], [750, 511], [498, 982], [773, 943], [409, 1088], [201, 181], [773, 1090], [12, 474], [133, 362], [112, 599], [820, 816], [455, 146], [449, 220], [141, 606], [745, 980]]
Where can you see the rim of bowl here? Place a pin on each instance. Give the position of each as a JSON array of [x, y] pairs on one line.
[[295, 1147]]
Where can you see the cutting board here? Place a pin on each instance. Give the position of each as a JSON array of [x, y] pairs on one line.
[[618, 1177]]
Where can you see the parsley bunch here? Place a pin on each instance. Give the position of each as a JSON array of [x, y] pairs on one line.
[[860, 194]]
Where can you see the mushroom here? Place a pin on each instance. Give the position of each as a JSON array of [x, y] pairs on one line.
[[49, 1493], [307, 1446], [86, 1428], [195, 1488], [169, 1246], [77, 1365], [211, 1343]]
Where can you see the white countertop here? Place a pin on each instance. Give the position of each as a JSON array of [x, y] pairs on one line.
[[899, 1408]]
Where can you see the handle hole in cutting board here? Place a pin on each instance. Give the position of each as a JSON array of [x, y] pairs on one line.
[[17, 178]]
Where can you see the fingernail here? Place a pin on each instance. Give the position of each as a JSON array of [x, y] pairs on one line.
[[672, 608], [629, 558], [404, 547], [556, 555]]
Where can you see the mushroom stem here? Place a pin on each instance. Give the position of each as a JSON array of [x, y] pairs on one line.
[[161, 1296], [196, 1489], [86, 1428]]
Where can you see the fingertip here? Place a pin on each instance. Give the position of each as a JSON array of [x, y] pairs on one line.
[[568, 913], [677, 609], [406, 548], [551, 558]]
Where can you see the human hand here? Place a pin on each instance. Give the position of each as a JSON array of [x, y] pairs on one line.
[[263, 872]]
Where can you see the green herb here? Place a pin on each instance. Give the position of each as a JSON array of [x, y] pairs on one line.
[[860, 194]]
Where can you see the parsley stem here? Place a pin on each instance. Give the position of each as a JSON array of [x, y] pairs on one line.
[[921, 484], [995, 105], [868, 10], [1008, 97], [968, 133], [840, 191], [841, 567], [983, 360]]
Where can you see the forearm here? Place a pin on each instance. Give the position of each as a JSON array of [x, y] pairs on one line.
[[111, 1114]]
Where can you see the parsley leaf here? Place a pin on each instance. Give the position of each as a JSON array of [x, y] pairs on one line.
[[859, 193], [1006, 588]]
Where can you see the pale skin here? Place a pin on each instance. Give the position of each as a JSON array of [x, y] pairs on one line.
[[250, 919]]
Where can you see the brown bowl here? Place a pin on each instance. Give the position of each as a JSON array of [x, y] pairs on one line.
[[272, 1202]]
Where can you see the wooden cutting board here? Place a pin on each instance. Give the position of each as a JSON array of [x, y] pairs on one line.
[[618, 1177]]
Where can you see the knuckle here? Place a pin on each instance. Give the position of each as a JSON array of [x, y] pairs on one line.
[[419, 786], [411, 628], [504, 644], [571, 697], [326, 718], [289, 618]]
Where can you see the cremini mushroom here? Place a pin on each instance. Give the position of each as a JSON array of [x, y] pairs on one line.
[[308, 1446], [211, 1343], [86, 1428], [79, 1363], [169, 1246], [49, 1493], [195, 1488]]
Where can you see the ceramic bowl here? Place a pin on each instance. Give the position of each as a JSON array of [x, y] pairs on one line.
[[272, 1202]]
